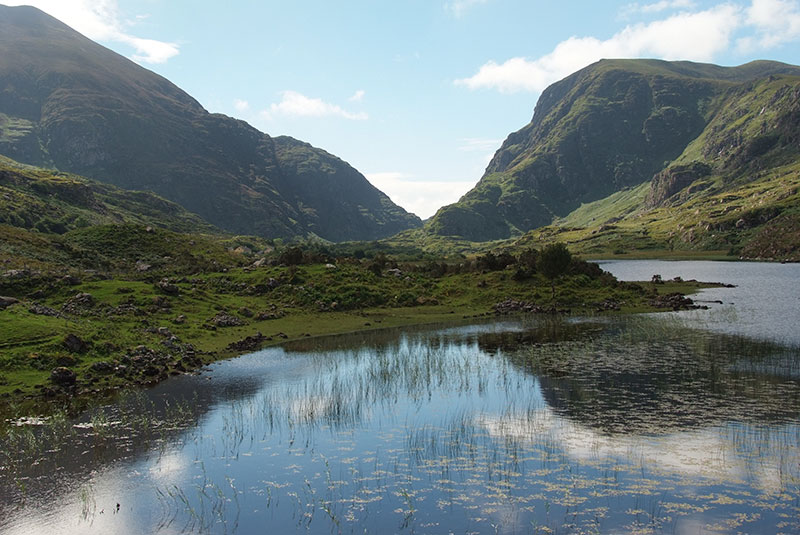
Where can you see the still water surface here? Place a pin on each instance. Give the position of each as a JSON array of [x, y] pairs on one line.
[[667, 424]]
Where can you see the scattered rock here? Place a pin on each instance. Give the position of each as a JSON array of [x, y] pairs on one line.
[[62, 376], [675, 301], [513, 306], [78, 303], [223, 319], [6, 302], [163, 331], [161, 302], [270, 315], [74, 344], [42, 310], [167, 287], [102, 367], [248, 343]]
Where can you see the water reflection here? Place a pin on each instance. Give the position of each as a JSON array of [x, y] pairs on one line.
[[572, 426]]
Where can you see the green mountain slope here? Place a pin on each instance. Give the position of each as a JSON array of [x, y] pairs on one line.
[[71, 104], [45, 201], [618, 123]]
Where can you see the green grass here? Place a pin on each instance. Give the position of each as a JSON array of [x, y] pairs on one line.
[[309, 300]]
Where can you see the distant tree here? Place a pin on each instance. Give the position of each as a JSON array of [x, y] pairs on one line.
[[554, 260], [291, 257], [528, 259]]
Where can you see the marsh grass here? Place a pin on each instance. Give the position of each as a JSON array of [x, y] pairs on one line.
[[575, 426]]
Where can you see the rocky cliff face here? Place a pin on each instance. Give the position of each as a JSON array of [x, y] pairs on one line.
[[71, 104], [612, 125]]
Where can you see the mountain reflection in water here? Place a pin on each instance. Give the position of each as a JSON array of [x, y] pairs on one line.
[[583, 425]]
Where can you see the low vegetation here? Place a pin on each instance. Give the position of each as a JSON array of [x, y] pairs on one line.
[[103, 307]]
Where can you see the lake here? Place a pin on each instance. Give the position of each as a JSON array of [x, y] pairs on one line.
[[670, 423]]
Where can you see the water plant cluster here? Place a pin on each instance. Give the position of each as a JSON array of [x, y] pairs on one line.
[[540, 426]]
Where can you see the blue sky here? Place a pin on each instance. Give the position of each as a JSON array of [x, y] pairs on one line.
[[416, 94]]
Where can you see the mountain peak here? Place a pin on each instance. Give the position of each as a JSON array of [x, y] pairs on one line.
[[71, 104], [609, 126]]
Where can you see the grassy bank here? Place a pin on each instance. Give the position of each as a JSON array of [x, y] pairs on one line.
[[87, 334]]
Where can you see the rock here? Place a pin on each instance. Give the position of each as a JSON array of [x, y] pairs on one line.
[[395, 272], [223, 319], [41, 310], [160, 301], [6, 302], [74, 344], [246, 312], [142, 266], [248, 343], [78, 303], [70, 280], [513, 306], [17, 273], [167, 287], [675, 301], [62, 376], [260, 262], [102, 367], [269, 315], [163, 331], [180, 319]]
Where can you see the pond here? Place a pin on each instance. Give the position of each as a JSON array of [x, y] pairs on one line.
[[646, 424]]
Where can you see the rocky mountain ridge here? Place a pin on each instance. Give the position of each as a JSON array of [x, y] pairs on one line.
[[619, 123], [70, 104]]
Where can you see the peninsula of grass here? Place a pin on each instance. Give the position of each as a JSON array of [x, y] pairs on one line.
[[133, 316]]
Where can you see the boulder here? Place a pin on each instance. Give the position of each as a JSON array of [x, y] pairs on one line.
[[62, 376], [74, 344], [6, 302]]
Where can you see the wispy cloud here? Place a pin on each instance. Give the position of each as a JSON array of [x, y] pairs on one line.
[[656, 7], [241, 105], [294, 104], [695, 36], [358, 96], [100, 20], [776, 22], [421, 197], [688, 33], [459, 7]]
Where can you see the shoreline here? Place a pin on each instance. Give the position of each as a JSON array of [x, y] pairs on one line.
[[144, 366]]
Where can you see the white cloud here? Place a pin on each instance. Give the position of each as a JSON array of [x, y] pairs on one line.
[[295, 104], [776, 22], [358, 96], [241, 105], [421, 197], [459, 7], [695, 36], [657, 7], [100, 20]]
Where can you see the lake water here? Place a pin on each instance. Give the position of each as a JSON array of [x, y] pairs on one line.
[[534, 425]]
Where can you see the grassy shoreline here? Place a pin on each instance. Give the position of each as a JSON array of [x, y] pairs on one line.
[[107, 334]]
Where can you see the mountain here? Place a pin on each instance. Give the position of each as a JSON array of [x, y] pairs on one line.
[[51, 202], [70, 104], [617, 124]]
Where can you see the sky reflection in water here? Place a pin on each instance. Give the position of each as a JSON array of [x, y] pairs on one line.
[[632, 425]]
